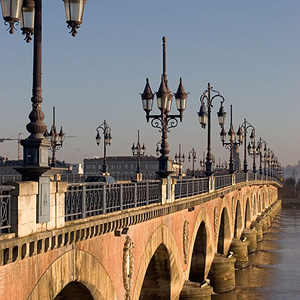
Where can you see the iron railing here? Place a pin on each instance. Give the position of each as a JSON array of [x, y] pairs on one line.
[[5, 208], [240, 177], [223, 181], [190, 187], [90, 199]]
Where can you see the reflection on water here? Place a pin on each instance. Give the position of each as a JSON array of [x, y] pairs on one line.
[[274, 271]]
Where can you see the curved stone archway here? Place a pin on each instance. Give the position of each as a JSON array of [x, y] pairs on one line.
[[238, 221], [247, 220], [74, 266], [74, 290], [163, 241], [254, 206], [203, 219], [157, 281], [259, 206], [224, 233], [198, 260]]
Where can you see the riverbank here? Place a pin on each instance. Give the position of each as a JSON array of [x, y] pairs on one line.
[[290, 203]]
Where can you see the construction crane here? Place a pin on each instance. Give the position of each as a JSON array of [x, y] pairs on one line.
[[19, 144]]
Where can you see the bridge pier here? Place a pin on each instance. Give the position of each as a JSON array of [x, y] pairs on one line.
[[251, 235], [240, 252], [196, 291], [222, 273], [258, 226]]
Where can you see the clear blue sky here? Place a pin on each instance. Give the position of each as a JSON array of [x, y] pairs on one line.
[[248, 50]]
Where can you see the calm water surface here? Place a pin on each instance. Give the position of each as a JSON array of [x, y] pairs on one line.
[[274, 271]]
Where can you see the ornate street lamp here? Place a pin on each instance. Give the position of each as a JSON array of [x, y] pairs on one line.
[[74, 14], [107, 141], [205, 118], [29, 12], [245, 126], [192, 157], [253, 149], [222, 165], [232, 140], [164, 121], [262, 146], [56, 139], [138, 151], [11, 11], [179, 159]]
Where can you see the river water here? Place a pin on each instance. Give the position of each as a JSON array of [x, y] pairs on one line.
[[274, 271]]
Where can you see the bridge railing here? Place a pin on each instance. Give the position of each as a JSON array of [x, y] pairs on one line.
[[222, 181], [240, 177], [90, 199], [5, 208], [190, 187]]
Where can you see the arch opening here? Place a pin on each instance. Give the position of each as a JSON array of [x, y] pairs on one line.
[[254, 206], [247, 214], [238, 220], [74, 291], [157, 280], [259, 204], [224, 232], [197, 271]]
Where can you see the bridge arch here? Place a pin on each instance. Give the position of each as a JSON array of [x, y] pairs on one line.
[[74, 289], [263, 201], [247, 214], [238, 221], [254, 205], [224, 232], [75, 268], [259, 205], [161, 247], [198, 259]]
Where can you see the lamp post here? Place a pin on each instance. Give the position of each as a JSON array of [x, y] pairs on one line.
[[245, 126], [220, 165], [205, 118], [56, 139], [232, 140], [262, 143], [179, 159], [107, 141], [253, 149], [138, 151], [29, 12], [164, 121], [192, 157]]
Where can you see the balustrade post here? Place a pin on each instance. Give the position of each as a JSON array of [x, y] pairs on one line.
[[233, 179], [167, 190], [211, 183]]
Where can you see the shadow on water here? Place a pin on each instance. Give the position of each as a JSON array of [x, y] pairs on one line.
[[274, 270]]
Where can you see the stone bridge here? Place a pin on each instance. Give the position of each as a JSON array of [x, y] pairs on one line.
[[164, 250]]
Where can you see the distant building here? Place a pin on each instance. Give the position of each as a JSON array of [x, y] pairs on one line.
[[72, 172], [292, 171], [122, 167], [7, 171]]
